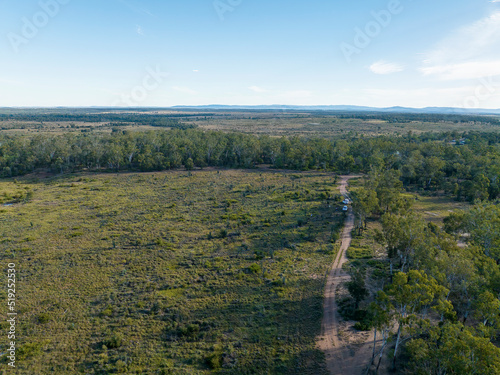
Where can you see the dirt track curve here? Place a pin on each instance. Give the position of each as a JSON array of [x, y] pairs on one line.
[[344, 355]]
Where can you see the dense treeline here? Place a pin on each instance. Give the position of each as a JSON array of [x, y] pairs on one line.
[[430, 161]]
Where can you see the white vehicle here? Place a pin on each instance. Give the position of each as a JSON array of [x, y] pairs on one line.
[[346, 201], [345, 208]]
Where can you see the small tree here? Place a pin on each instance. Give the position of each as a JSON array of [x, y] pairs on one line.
[[357, 286], [380, 312], [189, 164], [365, 203]]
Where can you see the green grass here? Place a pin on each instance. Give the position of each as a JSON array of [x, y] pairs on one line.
[[359, 253], [435, 208], [166, 273]]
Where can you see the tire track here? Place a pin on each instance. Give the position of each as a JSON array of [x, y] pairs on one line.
[[341, 357]]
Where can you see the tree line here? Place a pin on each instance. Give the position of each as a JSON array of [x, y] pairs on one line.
[[428, 162]]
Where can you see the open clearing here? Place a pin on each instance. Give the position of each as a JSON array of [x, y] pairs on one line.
[[175, 271]]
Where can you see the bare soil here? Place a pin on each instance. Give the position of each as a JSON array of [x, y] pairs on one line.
[[348, 352]]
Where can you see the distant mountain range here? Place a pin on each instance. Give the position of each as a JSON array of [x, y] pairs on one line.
[[352, 108], [277, 107]]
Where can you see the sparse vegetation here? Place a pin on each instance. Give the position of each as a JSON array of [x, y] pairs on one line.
[[121, 274]]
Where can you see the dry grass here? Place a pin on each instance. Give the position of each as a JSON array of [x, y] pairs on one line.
[[176, 272]]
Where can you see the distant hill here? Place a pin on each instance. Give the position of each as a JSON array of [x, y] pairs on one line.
[[275, 107]]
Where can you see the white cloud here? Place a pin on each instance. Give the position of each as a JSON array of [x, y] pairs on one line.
[[467, 70], [472, 41], [469, 52], [139, 30], [196, 70], [185, 90], [385, 67], [257, 89]]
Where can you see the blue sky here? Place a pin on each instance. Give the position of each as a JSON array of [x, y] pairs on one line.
[[250, 52]]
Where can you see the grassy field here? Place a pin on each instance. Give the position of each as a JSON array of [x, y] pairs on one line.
[[169, 273], [435, 208], [312, 125], [273, 123]]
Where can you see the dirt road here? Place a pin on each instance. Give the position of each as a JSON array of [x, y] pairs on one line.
[[347, 352]]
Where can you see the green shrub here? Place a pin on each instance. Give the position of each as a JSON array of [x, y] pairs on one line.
[[114, 341], [108, 311], [359, 253], [214, 361], [362, 326], [255, 268], [190, 330], [223, 233], [121, 366], [29, 350], [43, 318]]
